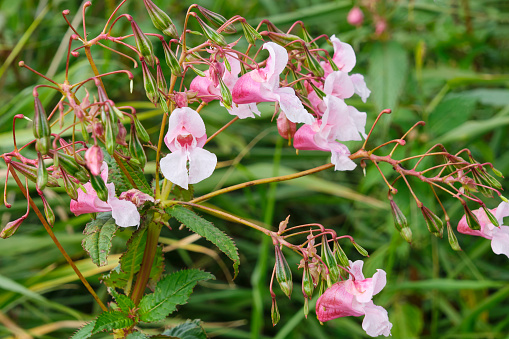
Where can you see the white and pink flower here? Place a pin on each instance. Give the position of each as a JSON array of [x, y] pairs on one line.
[[188, 163], [352, 297], [124, 212]]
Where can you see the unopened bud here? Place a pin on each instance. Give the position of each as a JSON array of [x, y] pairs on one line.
[[136, 197], [283, 273], [99, 186], [285, 127], [98, 129], [330, 261], [171, 60], [274, 312], [48, 212], [435, 224], [216, 19], [250, 33], [355, 17], [380, 26], [453, 241], [109, 136], [94, 158], [136, 148], [161, 20], [211, 33], [141, 131], [471, 218], [406, 233], [42, 173], [181, 99], [11, 227], [41, 127], [150, 84], [121, 135], [143, 44]]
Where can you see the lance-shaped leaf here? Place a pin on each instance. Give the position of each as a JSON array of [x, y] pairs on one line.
[[97, 242], [112, 320], [84, 332], [191, 329], [123, 302], [207, 230], [171, 291], [161, 20]]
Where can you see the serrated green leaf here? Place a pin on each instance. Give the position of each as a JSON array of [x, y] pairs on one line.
[[117, 176], [191, 329], [171, 291], [112, 320], [137, 335], [207, 230], [99, 233], [123, 302], [84, 332]]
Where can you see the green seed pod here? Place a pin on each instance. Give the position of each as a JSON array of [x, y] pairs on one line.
[[491, 217], [472, 220], [307, 283], [332, 63], [109, 137], [136, 148], [143, 44], [274, 313], [226, 95], [360, 249], [211, 33], [161, 20], [70, 187], [160, 80], [31, 173], [171, 60], [99, 186], [321, 94], [330, 261], [435, 225], [149, 84], [48, 212], [340, 255], [141, 131], [216, 19], [250, 33], [306, 307], [42, 173], [41, 127], [283, 273], [453, 241], [313, 64], [11, 227], [288, 41]]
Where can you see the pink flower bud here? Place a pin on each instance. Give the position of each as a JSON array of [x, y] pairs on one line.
[[355, 17], [121, 135], [180, 99], [94, 158], [380, 26], [136, 197], [11, 227]]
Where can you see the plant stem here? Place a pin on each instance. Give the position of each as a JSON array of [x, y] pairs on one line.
[[154, 229], [55, 240]]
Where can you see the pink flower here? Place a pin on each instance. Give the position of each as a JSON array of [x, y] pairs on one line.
[[185, 139], [359, 86], [355, 17], [124, 212], [344, 56], [499, 236], [353, 298], [262, 85], [94, 158]]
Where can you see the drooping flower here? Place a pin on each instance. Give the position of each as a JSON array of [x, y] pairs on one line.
[[262, 85], [499, 236], [185, 139], [124, 212], [352, 297]]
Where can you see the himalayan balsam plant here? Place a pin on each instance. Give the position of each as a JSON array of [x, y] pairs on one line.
[[101, 166]]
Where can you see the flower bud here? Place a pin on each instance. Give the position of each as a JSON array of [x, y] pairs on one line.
[[136, 197], [48, 212], [181, 99], [109, 136], [434, 223], [136, 148], [141, 131], [406, 233], [171, 60], [380, 26], [250, 33], [472, 220], [283, 273], [330, 261], [274, 313], [42, 173], [99, 186], [307, 283], [98, 129], [355, 17], [41, 127], [94, 158], [216, 19], [143, 44], [210, 33], [285, 127], [11, 227], [121, 135], [150, 84], [161, 20], [453, 241]]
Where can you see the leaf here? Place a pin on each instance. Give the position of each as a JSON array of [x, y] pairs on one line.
[[452, 111], [117, 176], [137, 335], [191, 329], [112, 320], [473, 129], [207, 230], [388, 66], [98, 240], [171, 291], [84, 332], [123, 302]]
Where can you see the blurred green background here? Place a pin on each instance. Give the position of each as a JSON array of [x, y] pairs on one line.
[[445, 62]]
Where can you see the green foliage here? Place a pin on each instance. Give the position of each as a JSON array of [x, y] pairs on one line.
[[191, 329], [112, 320], [171, 291], [207, 230], [85, 332], [123, 302], [98, 236], [121, 180]]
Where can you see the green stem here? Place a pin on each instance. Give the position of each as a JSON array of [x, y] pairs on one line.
[[154, 229]]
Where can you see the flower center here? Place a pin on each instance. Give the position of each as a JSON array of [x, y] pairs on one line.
[[185, 139]]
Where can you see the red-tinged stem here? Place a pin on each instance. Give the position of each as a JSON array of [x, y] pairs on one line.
[[55, 240], [221, 129]]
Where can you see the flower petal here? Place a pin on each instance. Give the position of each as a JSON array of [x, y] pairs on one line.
[[379, 281], [501, 212], [244, 110], [88, 202], [205, 89], [360, 87], [340, 158], [201, 164], [376, 322], [124, 212], [339, 84], [292, 106], [500, 241], [336, 302], [174, 168], [344, 55], [184, 120]]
